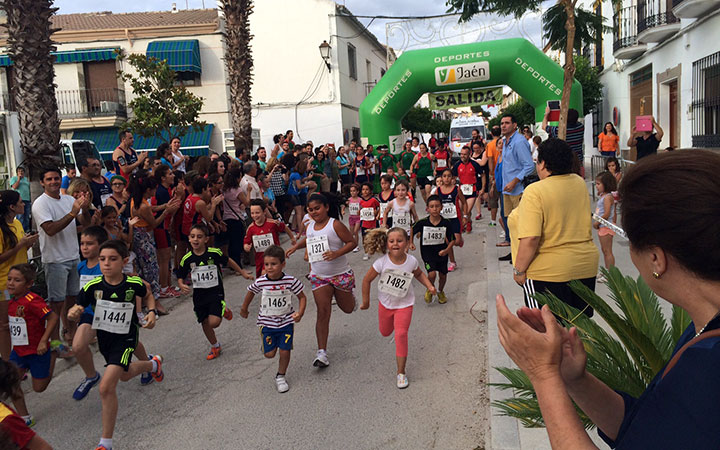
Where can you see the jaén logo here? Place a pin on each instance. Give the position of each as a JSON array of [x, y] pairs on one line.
[[462, 73]]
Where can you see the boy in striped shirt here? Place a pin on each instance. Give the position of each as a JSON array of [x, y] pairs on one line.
[[276, 317]]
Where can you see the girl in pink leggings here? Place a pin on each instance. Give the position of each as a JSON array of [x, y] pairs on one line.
[[396, 269]]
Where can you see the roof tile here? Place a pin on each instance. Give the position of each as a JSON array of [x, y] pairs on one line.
[[108, 20]]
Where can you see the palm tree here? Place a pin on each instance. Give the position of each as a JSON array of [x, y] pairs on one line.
[[628, 363], [239, 62], [29, 45]]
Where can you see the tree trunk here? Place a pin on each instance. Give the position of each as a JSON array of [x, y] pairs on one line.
[[239, 63], [29, 46], [569, 72]]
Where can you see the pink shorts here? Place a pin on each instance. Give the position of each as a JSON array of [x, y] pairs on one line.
[[353, 220], [344, 281], [605, 231]]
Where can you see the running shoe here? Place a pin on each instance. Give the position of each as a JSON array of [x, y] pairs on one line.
[[492, 223], [214, 352], [146, 378], [402, 381], [478, 217], [101, 447], [428, 297], [158, 375], [366, 257], [452, 266], [29, 420], [501, 236], [321, 359], [356, 249], [172, 292], [227, 313], [281, 383], [87, 383], [468, 226], [601, 278], [62, 350], [441, 298]]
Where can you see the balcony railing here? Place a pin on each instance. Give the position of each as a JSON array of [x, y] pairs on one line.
[[625, 28], [85, 103], [369, 86], [706, 102], [654, 13]]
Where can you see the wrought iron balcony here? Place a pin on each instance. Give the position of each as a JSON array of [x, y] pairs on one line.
[[86, 103], [656, 21], [625, 42]]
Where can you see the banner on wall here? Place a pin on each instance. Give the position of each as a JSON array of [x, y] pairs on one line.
[[471, 97]]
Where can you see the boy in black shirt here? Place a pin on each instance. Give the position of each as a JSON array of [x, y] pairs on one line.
[[116, 300], [436, 240], [204, 266]]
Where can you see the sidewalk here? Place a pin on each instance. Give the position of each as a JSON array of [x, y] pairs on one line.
[[505, 432]]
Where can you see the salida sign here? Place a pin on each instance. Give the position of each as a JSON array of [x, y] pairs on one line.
[[473, 97]]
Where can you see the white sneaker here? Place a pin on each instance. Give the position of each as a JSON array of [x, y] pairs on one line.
[[321, 359], [356, 249], [501, 236], [281, 383], [601, 278], [402, 381], [365, 257]]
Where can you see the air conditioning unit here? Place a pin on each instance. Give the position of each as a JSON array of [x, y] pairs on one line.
[[109, 107]]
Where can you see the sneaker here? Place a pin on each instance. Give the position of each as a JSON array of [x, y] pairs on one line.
[[62, 350], [87, 383], [492, 223], [214, 352], [146, 378], [227, 313], [428, 297], [158, 375], [356, 249], [452, 266], [507, 257], [441, 298], [281, 383], [366, 257], [402, 381], [478, 217], [468, 226], [29, 420], [321, 359], [501, 236], [101, 447], [601, 278]]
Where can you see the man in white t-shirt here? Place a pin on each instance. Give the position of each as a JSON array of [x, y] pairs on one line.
[[248, 183], [415, 147], [55, 214]]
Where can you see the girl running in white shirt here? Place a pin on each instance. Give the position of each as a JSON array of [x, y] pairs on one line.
[[403, 209]]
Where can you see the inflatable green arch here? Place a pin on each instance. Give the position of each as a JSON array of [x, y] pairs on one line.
[[513, 62]]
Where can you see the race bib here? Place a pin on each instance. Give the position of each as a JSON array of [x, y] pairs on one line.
[[85, 279], [395, 282], [430, 178], [367, 214], [360, 171], [276, 302], [466, 189], [262, 242], [449, 211], [354, 209], [316, 247], [104, 197], [113, 317], [441, 163], [402, 220], [204, 277], [433, 236], [18, 331], [383, 207]]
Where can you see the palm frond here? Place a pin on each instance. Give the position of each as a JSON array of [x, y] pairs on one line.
[[678, 323]]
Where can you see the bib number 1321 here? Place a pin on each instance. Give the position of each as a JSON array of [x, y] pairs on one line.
[[316, 247]]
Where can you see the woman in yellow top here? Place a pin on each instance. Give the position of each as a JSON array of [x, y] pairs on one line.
[[551, 230], [13, 250], [609, 141]]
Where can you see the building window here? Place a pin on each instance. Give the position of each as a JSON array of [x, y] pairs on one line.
[[706, 102], [356, 134], [187, 79], [597, 122], [382, 73], [352, 61]]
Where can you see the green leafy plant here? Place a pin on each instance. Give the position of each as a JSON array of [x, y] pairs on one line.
[[642, 344], [420, 120], [521, 109]]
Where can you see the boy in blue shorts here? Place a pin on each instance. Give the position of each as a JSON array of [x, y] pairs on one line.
[[276, 317], [30, 320]]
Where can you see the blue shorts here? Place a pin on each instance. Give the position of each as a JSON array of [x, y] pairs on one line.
[[39, 365], [87, 317], [281, 338]]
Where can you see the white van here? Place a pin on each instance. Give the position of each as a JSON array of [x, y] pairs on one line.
[[461, 132], [75, 150]]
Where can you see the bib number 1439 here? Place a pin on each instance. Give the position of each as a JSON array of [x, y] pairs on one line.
[[18, 331]]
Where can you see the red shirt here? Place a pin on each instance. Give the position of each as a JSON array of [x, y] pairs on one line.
[[190, 214], [269, 227], [467, 172], [14, 426], [34, 310], [444, 155], [373, 203]]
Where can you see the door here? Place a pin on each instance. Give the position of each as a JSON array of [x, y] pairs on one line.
[[101, 86], [641, 98], [674, 124]]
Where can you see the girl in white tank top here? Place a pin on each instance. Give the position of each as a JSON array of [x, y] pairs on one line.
[[403, 209], [322, 268]]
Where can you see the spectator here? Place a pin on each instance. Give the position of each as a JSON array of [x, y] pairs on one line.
[[90, 171], [78, 188], [164, 194], [71, 174], [646, 142], [344, 164], [202, 166], [21, 185], [249, 188], [125, 159], [613, 166], [218, 166], [234, 213], [260, 157], [608, 141], [164, 154], [574, 135], [517, 163], [179, 160], [319, 176]]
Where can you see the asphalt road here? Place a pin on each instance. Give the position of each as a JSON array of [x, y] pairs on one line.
[[232, 402]]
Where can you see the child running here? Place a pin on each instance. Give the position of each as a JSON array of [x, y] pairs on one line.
[[354, 213], [395, 294], [369, 211], [402, 208], [450, 196], [116, 300], [30, 320], [436, 241], [276, 317], [385, 196], [605, 184], [328, 241], [204, 264], [263, 233], [13, 428]]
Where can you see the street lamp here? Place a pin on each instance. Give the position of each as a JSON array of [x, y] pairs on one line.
[[325, 53]]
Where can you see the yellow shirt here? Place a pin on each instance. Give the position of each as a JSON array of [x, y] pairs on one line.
[[558, 210], [19, 257]]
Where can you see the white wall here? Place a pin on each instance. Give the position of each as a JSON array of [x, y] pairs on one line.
[[318, 123]]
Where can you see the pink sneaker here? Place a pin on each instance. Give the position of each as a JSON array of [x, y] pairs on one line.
[[452, 266]]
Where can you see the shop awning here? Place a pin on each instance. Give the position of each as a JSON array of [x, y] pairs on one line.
[[181, 56], [194, 143], [73, 56]]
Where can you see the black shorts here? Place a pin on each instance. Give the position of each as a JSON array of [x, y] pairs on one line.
[[560, 290], [118, 349], [436, 263], [360, 179], [205, 308], [455, 225], [294, 200], [424, 181]]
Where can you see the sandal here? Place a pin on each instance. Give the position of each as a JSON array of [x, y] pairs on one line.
[[503, 244]]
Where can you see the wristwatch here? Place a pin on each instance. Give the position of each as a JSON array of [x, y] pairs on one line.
[[517, 272], [153, 311]]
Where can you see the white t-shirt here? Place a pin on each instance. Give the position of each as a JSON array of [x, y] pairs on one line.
[[255, 191], [383, 266], [63, 246]]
